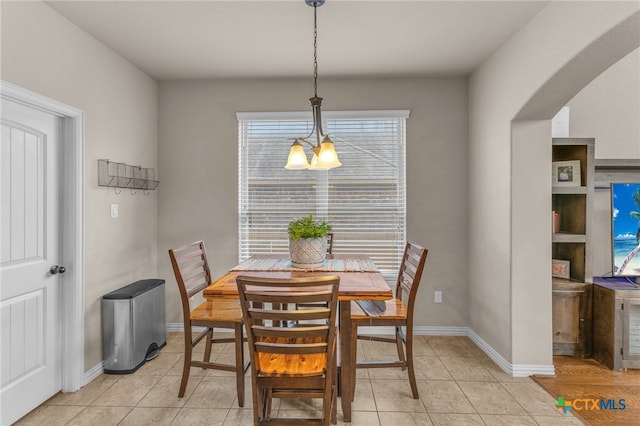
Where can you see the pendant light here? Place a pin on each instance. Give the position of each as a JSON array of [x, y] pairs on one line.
[[324, 152]]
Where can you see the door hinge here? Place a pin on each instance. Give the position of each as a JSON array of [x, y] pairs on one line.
[[622, 306], [621, 351]]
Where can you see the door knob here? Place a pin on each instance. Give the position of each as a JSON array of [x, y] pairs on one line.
[[55, 269]]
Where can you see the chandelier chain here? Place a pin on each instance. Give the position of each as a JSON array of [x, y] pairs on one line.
[[315, 51]]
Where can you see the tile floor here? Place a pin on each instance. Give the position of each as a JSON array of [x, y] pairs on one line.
[[458, 384]]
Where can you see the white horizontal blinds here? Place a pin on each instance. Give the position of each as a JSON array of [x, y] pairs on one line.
[[364, 200], [270, 195]]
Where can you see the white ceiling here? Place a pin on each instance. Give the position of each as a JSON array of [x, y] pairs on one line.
[[221, 39]]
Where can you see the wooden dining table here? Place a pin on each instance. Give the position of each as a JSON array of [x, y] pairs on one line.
[[354, 285]]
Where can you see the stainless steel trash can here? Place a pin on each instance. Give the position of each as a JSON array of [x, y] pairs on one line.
[[133, 325]]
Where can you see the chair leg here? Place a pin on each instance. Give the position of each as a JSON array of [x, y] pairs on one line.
[[256, 402], [186, 368], [354, 358], [239, 363], [266, 403], [399, 344], [334, 397], [207, 348], [412, 374]]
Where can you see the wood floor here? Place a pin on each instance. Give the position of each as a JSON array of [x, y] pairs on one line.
[[578, 379]]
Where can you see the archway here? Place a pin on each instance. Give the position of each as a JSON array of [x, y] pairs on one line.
[[531, 164]]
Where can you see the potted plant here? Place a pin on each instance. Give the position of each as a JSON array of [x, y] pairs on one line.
[[308, 242]]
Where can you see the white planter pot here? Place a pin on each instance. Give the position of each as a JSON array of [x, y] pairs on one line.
[[308, 252]]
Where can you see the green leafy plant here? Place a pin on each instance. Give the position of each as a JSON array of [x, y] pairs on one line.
[[307, 227]]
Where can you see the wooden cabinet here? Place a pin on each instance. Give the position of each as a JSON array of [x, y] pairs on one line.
[[616, 323], [571, 304], [572, 201]]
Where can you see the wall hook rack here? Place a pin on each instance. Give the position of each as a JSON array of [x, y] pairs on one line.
[[122, 175]]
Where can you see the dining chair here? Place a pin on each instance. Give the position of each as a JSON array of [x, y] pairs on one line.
[[398, 313], [293, 351], [192, 272]]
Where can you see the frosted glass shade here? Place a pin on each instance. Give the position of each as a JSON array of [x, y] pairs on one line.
[[328, 158], [297, 158]]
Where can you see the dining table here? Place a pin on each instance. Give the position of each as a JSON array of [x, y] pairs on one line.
[[359, 280]]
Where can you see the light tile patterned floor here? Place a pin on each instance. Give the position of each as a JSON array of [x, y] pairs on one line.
[[458, 384]]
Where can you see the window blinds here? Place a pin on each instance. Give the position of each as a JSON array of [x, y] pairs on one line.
[[364, 200]]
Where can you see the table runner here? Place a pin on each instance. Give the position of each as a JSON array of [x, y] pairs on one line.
[[330, 265]]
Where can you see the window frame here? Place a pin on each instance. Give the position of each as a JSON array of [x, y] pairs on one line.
[[389, 270]]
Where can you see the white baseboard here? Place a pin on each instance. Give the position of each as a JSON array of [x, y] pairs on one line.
[[514, 370], [93, 373], [175, 326]]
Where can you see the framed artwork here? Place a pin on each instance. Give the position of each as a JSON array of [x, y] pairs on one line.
[[565, 173], [560, 268]]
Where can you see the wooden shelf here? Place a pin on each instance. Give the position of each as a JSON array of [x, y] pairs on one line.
[[576, 190], [562, 237], [572, 242]]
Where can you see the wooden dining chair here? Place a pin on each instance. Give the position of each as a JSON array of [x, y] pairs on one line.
[[192, 272], [398, 313], [293, 351]]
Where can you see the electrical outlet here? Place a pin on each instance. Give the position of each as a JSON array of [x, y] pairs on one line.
[[437, 296], [114, 211]]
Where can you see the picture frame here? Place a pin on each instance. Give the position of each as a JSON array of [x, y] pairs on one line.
[[565, 173], [560, 268]]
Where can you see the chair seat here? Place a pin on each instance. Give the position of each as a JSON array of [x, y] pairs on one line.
[[394, 309], [292, 365], [221, 310]]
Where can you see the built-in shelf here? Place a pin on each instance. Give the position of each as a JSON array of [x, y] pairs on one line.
[[122, 175], [569, 190], [561, 237], [572, 208]]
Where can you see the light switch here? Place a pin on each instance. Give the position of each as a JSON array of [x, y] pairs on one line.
[[114, 211]]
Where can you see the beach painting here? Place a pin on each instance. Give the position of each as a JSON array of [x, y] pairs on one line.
[[625, 226]]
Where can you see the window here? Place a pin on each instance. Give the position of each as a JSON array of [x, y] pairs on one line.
[[364, 200]]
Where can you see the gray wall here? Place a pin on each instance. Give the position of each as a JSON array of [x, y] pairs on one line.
[[43, 52], [457, 215], [529, 78], [609, 110], [198, 156]]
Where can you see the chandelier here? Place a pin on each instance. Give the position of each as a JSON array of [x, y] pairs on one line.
[[324, 153]]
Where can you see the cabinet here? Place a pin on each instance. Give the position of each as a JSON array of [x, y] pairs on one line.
[[572, 201], [616, 323]]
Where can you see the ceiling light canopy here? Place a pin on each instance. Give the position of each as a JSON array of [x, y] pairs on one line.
[[324, 153]]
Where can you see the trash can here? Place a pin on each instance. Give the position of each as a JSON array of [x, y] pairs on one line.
[[133, 325]]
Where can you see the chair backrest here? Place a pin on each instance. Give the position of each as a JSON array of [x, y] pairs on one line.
[[192, 272], [270, 307], [410, 273]]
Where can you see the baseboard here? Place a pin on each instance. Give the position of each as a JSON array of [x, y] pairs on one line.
[[514, 370], [93, 373], [178, 326], [440, 331], [175, 326]]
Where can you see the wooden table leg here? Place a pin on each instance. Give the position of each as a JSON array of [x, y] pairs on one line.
[[346, 367]]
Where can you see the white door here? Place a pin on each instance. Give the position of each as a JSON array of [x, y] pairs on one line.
[[29, 291]]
